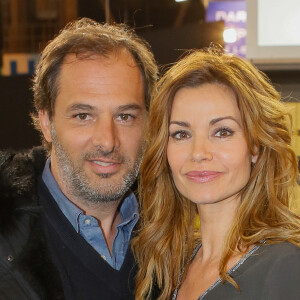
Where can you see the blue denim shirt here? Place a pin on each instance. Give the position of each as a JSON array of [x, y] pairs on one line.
[[88, 227]]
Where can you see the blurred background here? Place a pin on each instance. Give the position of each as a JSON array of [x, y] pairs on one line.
[[264, 31]]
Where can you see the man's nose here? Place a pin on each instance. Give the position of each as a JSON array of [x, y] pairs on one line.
[[105, 134]]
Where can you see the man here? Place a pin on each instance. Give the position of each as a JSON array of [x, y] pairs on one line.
[[66, 223]]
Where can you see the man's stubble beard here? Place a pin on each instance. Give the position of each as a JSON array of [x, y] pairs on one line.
[[77, 182]]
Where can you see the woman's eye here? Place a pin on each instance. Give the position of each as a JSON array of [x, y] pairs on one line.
[[224, 132], [180, 135]]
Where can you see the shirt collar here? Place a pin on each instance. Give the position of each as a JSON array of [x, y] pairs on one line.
[[129, 209], [69, 209]]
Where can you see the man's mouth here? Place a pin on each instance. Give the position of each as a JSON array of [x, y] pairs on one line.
[[105, 166], [103, 163]]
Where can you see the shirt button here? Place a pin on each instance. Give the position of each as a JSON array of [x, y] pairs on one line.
[[10, 257], [103, 256], [87, 222]]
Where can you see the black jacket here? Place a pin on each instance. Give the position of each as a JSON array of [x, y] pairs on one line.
[[26, 270]]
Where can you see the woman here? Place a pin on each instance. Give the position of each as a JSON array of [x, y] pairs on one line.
[[218, 147]]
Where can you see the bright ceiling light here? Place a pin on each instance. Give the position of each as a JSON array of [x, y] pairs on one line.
[[180, 0], [230, 35]]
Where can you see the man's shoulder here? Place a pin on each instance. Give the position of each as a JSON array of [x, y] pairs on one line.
[[35, 156], [19, 172], [16, 165]]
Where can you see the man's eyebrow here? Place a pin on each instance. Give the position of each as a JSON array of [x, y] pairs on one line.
[[132, 106], [89, 108], [180, 123], [214, 121], [80, 106]]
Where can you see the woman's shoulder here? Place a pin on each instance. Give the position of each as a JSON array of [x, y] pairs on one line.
[[282, 271], [269, 259], [271, 272], [277, 263], [280, 250]]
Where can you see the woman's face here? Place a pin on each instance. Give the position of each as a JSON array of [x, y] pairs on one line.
[[207, 149]]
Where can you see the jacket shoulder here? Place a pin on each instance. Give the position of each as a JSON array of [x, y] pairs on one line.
[[19, 172]]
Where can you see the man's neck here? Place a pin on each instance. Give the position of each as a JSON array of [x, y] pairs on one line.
[[107, 214]]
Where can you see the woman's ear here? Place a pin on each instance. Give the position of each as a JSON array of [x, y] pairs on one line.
[[255, 156]]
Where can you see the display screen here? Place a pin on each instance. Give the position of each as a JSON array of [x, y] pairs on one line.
[[273, 33], [278, 22]]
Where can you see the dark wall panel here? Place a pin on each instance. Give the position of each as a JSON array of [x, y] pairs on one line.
[[169, 44], [16, 130]]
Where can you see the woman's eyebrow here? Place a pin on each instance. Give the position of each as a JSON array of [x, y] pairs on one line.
[[212, 122], [180, 123], [216, 120]]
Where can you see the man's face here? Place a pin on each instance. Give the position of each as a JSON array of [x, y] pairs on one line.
[[97, 126]]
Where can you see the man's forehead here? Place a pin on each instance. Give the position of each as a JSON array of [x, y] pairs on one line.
[[106, 59], [99, 77]]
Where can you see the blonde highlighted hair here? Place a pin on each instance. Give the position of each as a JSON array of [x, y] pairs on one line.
[[167, 235]]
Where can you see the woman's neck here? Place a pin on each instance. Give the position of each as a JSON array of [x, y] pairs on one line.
[[215, 221]]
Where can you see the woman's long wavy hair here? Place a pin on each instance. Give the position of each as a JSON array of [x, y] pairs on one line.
[[167, 234]]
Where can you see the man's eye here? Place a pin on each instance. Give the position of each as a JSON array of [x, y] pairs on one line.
[[223, 132], [82, 116], [125, 117]]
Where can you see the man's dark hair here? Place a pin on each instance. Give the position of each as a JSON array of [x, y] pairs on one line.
[[86, 38]]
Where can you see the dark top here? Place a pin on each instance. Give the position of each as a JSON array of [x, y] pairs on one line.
[[84, 274], [270, 272], [26, 269]]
